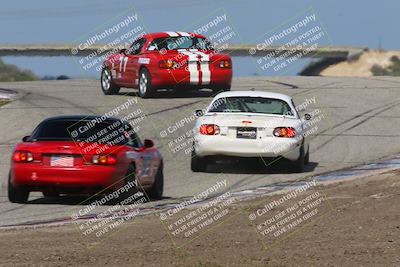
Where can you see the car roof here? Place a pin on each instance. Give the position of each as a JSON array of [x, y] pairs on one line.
[[79, 118], [155, 35], [265, 94]]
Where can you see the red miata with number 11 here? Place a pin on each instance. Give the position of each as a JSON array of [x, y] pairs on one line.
[[167, 60]]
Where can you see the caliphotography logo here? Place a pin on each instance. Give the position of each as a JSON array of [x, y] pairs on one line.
[[285, 46]]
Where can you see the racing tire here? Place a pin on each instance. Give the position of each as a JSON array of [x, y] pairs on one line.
[[226, 88], [107, 83], [198, 164], [17, 194], [298, 166], [156, 191], [146, 89]]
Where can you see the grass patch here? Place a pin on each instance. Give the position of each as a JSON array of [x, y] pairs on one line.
[[11, 73], [4, 102], [392, 70]]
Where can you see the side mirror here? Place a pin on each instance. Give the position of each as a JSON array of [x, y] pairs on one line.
[[307, 117], [148, 143], [122, 51], [198, 112], [25, 138]]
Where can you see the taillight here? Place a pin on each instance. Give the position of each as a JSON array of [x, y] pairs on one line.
[[22, 156], [225, 64], [209, 129], [284, 132], [104, 159], [167, 64]]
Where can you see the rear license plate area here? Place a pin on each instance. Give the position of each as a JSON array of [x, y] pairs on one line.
[[246, 133], [61, 161]]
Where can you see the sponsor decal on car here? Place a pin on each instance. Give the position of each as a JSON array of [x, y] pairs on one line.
[[143, 60]]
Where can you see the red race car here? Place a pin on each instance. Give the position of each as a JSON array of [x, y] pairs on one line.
[[167, 60], [84, 155]]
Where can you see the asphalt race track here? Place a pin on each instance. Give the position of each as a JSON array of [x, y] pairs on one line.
[[361, 123]]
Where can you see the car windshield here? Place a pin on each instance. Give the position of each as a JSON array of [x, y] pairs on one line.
[[83, 130], [248, 104], [180, 42]]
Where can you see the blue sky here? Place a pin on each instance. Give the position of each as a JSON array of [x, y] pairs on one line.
[[348, 23]]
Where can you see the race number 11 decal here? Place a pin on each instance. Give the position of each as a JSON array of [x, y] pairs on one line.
[[122, 64]]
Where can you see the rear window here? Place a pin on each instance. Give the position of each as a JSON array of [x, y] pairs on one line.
[[114, 132], [180, 42], [246, 104]]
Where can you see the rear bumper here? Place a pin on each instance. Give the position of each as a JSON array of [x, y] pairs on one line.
[[269, 147], [164, 78], [40, 177]]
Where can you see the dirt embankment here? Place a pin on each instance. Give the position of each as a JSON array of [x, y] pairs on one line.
[[358, 225], [361, 66]]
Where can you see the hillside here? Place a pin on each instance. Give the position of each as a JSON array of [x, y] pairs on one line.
[[370, 63], [11, 73]]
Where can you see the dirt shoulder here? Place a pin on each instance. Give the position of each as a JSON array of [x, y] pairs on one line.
[[362, 66], [357, 224]]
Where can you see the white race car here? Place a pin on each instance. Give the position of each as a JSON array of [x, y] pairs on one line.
[[250, 124]]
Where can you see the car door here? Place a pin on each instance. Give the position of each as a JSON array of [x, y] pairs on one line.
[[129, 65], [147, 160]]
